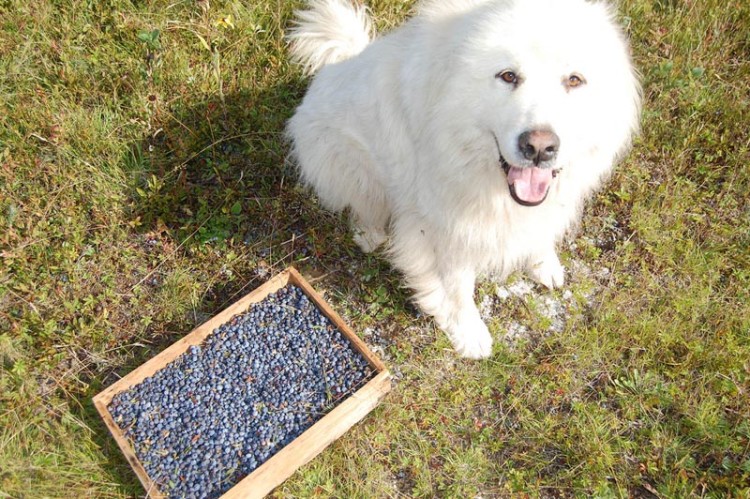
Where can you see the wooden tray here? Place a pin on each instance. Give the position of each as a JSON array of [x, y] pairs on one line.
[[300, 451]]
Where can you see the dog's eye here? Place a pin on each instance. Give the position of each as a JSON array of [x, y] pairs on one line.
[[508, 77], [575, 80]]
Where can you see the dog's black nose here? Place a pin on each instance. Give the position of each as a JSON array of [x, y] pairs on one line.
[[538, 146]]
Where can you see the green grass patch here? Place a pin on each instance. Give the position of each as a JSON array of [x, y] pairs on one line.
[[144, 187]]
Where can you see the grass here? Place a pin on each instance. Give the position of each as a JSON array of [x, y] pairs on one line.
[[143, 187]]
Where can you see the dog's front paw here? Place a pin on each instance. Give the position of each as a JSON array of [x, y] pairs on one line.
[[548, 272], [369, 239], [471, 338]]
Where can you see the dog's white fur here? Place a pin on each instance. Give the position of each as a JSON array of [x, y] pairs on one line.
[[406, 131]]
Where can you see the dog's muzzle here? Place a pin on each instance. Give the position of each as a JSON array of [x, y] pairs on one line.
[[529, 185]]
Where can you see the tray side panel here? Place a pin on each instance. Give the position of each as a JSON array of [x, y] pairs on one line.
[[127, 450]]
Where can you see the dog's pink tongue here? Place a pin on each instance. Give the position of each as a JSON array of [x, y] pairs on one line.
[[530, 184]]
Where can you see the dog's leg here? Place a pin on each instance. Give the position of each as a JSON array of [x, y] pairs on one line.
[[369, 238], [369, 209], [369, 229], [546, 269], [343, 174], [444, 289], [459, 318]]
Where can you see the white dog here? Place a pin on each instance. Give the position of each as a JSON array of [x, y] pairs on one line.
[[472, 134]]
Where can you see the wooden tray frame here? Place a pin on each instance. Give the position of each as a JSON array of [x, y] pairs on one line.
[[300, 451]]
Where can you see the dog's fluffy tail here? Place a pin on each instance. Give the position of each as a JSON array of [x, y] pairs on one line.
[[328, 31]]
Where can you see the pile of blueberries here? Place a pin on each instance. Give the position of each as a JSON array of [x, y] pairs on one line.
[[221, 409]]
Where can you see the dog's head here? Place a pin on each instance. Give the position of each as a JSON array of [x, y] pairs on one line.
[[551, 83]]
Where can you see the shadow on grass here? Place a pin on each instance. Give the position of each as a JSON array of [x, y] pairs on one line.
[[215, 176]]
